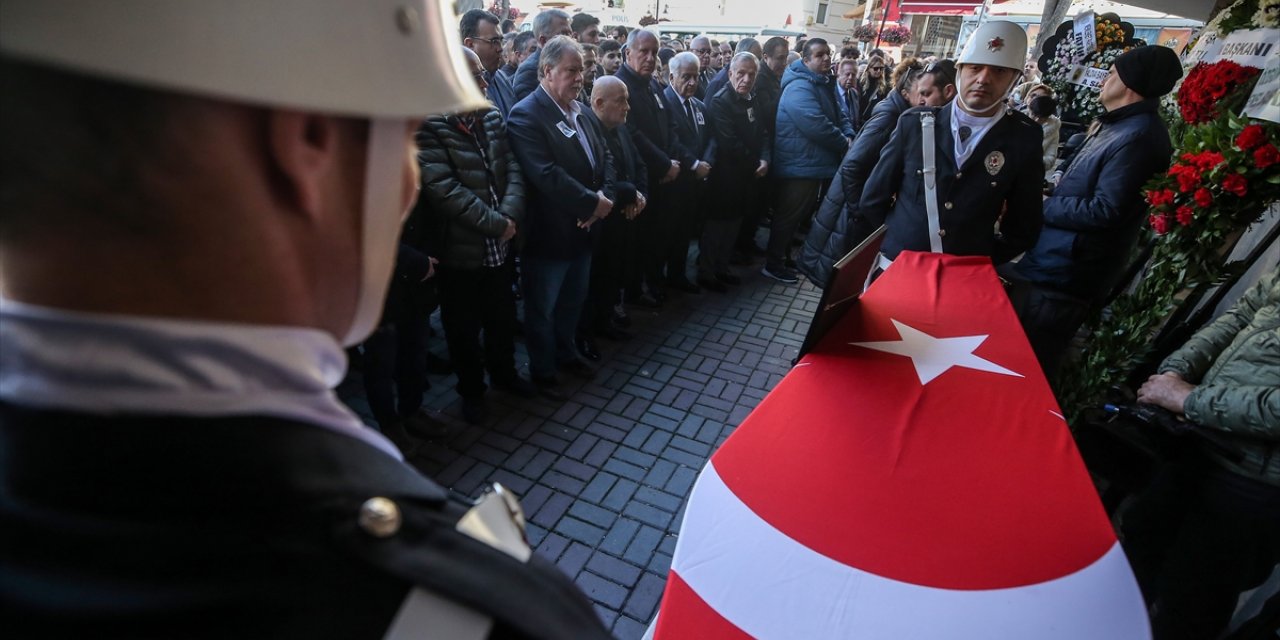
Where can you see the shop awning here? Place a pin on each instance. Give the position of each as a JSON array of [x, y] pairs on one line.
[[940, 7]]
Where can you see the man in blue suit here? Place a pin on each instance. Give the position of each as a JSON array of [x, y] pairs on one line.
[[697, 149], [569, 188], [546, 25]]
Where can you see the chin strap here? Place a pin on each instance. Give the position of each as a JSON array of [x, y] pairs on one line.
[[998, 105], [381, 218]]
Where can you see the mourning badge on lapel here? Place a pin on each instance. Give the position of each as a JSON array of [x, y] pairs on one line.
[[994, 162]]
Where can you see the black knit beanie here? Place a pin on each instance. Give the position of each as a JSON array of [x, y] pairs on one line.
[[1151, 71]]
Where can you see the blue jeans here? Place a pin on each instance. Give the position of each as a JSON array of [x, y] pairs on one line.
[[555, 291]]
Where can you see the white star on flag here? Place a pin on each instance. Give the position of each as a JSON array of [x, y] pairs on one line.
[[933, 356]]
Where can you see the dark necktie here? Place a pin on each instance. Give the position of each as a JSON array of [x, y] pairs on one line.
[[965, 132], [688, 109]]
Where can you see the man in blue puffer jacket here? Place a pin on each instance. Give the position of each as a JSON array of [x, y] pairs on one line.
[[1091, 219], [811, 137]]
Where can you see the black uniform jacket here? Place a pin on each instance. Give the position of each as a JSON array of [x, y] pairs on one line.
[[238, 527], [560, 181], [651, 123], [1001, 180]]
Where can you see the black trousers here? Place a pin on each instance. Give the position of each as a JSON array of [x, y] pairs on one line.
[[1197, 538], [395, 361], [797, 200], [1050, 318], [613, 267], [471, 301]]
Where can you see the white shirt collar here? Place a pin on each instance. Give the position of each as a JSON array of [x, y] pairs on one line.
[[575, 108], [103, 364], [979, 126]]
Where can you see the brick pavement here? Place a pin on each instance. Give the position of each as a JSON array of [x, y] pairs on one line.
[[604, 476]]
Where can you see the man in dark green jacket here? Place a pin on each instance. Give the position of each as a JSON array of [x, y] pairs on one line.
[[1209, 528], [472, 182]]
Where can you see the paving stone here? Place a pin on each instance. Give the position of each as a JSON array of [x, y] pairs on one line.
[[620, 494], [607, 593], [613, 569], [642, 545], [648, 514], [608, 616], [579, 530], [552, 510], [592, 514], [574, 558], [620, 536], [629, 629], [644, 598]]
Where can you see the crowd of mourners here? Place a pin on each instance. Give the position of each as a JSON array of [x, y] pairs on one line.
[[604, 154]]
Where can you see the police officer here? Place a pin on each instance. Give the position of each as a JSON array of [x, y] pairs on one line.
[[955, 169], [192, 229]]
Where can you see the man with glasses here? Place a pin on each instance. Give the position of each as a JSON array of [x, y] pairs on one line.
[[479, 30], [701, 47]]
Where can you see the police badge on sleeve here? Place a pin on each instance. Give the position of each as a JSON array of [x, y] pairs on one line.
[[994, 162]]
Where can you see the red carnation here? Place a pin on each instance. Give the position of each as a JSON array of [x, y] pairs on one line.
[[1160, 197], [1252, 136], [1206, 85], [1235, 183], [1203, 197], [1266, 155], [1187, 175], [1159, 224], [1184, 214]]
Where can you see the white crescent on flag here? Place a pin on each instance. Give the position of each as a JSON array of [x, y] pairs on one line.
[[914, 480]]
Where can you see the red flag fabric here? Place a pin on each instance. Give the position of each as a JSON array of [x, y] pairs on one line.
[[911, 477]]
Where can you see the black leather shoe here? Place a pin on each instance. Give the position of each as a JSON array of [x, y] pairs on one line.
[[618, 316], [683, 284], [475, 410], [712, 285], [549, 387], [645, 300], [426, 424], [729, 279], [610, 332], [516, 386], [579, 369], [587, 347], [439, 365]]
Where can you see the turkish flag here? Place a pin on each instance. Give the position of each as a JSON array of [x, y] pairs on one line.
[[911, 477]]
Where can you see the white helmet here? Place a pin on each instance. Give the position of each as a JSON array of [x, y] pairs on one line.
[[997, 43], [385, 60], [375, 58]]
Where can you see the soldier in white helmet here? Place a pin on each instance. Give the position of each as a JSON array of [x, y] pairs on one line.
[[962, 178], [201, 202]]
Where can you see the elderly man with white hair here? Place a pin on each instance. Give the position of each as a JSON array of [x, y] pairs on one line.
[[696, 149]]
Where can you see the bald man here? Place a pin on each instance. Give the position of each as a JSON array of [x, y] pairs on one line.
[[614, 264]]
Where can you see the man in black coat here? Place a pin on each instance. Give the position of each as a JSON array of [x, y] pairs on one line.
[[1091, 219], [546, 25], [613, 263], [652, 128], [987, 166], [175, 460], [569, 181], [721, 77], [682, 220], [474, 191], [742, 160], [479, 31], [767, 93]]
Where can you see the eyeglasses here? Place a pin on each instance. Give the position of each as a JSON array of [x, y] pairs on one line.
[[495, 41]]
